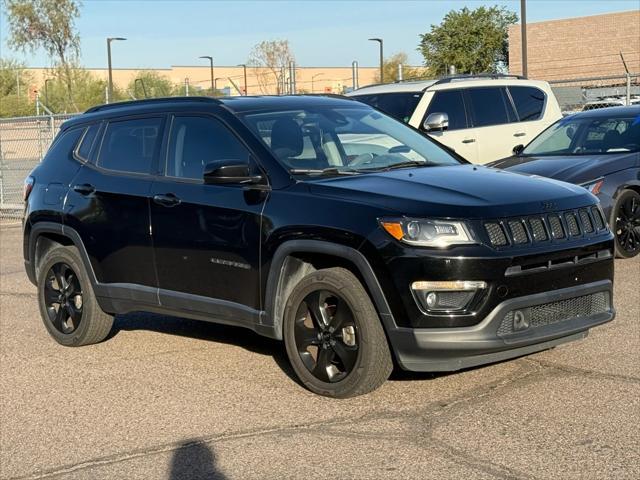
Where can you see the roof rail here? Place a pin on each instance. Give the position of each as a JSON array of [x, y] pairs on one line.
[[109, 106], [471, 76]]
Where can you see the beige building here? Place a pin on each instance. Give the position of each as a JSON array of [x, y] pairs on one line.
[[578, 47], [231, 79]]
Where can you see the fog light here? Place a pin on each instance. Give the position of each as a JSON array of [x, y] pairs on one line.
[[432, 299], [446, 296]]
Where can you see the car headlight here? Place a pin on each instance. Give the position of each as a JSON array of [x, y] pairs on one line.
[[428, 233], [594, 186]]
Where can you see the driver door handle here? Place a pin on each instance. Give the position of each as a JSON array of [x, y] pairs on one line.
[[519, 134], [468, 140], [166, 199]]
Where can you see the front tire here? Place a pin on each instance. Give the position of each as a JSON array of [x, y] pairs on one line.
[[333, 336], [625, 224], [68, 306]]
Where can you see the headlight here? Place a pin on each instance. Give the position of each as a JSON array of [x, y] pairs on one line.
[[428, 233], [593, 186]]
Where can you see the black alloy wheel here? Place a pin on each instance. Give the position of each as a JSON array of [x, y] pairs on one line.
[[63, 298], [326, 336], [626, 223]]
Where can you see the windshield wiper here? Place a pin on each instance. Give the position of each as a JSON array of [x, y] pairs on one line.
[[321, 171], [408, 163]]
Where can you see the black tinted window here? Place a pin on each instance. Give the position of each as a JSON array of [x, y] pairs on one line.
[[129, 145], [87, 142], [488, 106], [64, 144], [399, 105], [451, 103], [196, 141], [529, 102]]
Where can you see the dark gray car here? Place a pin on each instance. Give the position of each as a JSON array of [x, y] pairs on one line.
[[600, 150]]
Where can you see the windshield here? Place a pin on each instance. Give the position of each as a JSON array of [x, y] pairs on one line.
[[399, 105], [343, 140], [588, 135]]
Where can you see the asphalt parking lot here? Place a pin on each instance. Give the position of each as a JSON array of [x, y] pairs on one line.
[[166, 398]]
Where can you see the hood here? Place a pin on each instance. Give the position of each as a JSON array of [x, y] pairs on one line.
[[462, 191], [575, 169]]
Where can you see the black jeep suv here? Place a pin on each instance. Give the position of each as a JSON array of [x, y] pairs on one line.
[[315, 220]]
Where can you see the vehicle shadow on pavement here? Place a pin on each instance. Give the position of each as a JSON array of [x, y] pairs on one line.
[[194, 460], [212, 332]]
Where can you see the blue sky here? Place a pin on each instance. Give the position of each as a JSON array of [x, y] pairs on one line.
[[322, 33]]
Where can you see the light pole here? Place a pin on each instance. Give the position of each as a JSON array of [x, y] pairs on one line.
[[110, 85], [523, 35], [312, 79], [46, 92], [379, 40], [213, 86], [244, 68]]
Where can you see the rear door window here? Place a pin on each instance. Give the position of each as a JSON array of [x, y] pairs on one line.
[[130, 145], [399, 105], [451, 103], [489, 106], [529, 102]]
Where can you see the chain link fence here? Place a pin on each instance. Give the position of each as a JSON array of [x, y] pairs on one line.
[[581, 94], [23, 143]]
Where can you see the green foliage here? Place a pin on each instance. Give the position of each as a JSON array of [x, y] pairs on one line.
[[13, 74], [88, 91], [151, 83], [13, 105], [390, 68], [474, 41], [46, 24]]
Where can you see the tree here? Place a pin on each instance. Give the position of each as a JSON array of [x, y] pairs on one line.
[[15, 82], [88, 91], [390, 67], [150, 84], [47, 24], [474, 41], [269, 60]]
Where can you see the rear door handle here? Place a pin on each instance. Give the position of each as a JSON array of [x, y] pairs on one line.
[[166, 199], [519, 134], [468, 140], [84, 189]]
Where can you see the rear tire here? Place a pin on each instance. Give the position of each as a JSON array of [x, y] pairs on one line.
[[333, 336], [625, 224], [68, 306]]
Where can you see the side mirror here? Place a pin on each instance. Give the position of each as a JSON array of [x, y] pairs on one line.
[[229, 172], [436, 121], [517, 150]]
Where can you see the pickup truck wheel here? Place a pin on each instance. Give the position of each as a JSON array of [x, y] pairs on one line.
[[67, 304], [625, 223], [333, 336]]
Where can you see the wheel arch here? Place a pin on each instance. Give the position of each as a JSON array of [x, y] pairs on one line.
[[296, 258], [45, 235]]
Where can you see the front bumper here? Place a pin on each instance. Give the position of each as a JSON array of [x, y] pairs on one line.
[[449, 349]]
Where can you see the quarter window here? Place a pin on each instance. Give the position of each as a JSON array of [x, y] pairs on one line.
[[489, 106], [84, 149], [130, 145], [197, 141], [529, 102], [451, 103]]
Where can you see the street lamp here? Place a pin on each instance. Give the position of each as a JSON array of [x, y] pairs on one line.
[[46, 92], [110, 86], [379, 40], [244, 68], [213, 86], [312, 79], [215, 83], [523, 36]]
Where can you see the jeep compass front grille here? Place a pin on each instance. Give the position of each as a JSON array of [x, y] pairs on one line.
[[545, 228]]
